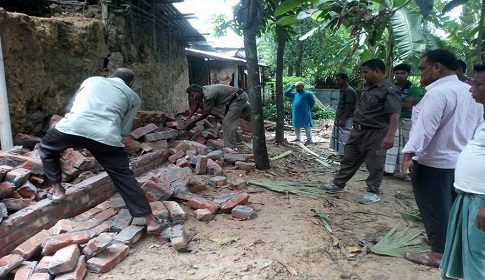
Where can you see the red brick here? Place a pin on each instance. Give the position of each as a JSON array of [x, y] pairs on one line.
[[213, 168], [25, 271], [202, 203], [158, 145], [4, 169], [40, 276], [97, 244], [176, 124], [201, 166], [176, 156], [64, 260], [159, 210], [87, 215], [106, 214], [238, 184], [6, 188], [129, 235], [156, 190], [68, 170], [218, 181], [245, 165], [32, 246], [242, 212], [183, 162], [76, 159], [62, 226], [101, 228], [18, 176], [240, 198], [34, 166], [222, 198], [27, 190], [131, 146], [54, 243], [14, 204], [103, 206], [43, 265], [176, 213], [9, 263], [178, 237], [106, 260], [142, 131], [203, 215], [181, 146], [78, 273], [119, 223], [117, 203]]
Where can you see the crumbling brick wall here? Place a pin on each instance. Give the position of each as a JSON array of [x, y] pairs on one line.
[[46, 59]]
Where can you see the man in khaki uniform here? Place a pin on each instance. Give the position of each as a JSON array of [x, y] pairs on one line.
[[375, 122], [234, 99]]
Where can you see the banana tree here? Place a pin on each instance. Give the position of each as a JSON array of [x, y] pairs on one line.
[[390, 29]]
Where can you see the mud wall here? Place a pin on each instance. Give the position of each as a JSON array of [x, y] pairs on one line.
[[46, 59]]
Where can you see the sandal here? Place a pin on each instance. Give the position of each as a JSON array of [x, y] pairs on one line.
[[425, 258]]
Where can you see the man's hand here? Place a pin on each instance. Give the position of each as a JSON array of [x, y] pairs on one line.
[[342, 122], [481, 218], [407, 164], [387, 142], [189, 124]]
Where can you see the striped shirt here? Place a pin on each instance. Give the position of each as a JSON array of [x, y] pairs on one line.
[[443, 122]]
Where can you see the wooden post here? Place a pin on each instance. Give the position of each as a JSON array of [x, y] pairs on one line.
[[5, 129]]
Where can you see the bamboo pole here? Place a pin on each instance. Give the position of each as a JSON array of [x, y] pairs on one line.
[[5, 129]]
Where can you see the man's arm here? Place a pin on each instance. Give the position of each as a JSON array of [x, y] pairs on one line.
[[311, 99], [388, 141], [129, 117], [196, 108], [481, 218], [289, 92], [410, 102]]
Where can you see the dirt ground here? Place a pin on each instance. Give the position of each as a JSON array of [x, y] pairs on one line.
[[285, 241]]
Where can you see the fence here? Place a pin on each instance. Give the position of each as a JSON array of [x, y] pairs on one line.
[[328, 97]]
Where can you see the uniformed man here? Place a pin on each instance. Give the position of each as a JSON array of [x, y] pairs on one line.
[[209, 97], [375, 121]]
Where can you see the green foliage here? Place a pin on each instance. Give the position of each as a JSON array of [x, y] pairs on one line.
[[318, 112]]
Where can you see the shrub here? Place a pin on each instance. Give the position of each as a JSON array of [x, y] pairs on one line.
[[318, 112]]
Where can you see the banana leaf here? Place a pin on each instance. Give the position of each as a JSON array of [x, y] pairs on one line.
[[397, 243]]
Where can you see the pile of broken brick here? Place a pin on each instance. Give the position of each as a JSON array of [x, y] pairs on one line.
[[99, 238], [22, 180]]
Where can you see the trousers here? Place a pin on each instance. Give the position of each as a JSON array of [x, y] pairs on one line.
[[114, 160], [363, 146]]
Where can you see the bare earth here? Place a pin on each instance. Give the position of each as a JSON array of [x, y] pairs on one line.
[[285, 241]]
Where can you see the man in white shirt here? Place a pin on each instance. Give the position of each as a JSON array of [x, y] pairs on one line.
[[443, 122], [464, 255], [102, 113]]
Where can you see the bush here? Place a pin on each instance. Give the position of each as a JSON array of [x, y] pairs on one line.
[[318, 112]]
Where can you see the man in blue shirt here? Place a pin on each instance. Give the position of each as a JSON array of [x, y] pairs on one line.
[[102, 113], [301, 108]]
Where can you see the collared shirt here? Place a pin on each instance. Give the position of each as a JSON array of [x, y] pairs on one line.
[[103, 110], [469, 166], [218, 95], [443, 122], [376, 105], [347, 96], [404, 94]]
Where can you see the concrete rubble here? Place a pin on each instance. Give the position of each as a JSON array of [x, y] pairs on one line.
[[100, 238]]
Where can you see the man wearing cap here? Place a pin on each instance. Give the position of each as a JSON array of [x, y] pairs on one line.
[[375, 122], [234, 99], [301, 109]]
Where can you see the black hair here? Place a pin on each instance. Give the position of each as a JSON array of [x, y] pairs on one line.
[[403, 66], [125, 74], [479, 67], [445, 57], [194, 87], [374, 64], [342, 75], [462, 65]]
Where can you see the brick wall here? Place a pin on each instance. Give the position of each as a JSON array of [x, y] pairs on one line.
[[23, 224]]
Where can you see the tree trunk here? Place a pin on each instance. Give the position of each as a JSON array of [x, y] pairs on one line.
[[480, 34], [300, 58], [280, 110], [250, 31], [390, 52], [290, 70]]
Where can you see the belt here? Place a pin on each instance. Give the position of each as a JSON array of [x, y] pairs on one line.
[[358, 127]]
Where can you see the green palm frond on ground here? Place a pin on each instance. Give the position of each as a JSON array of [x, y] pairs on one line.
[[397, 243], [296, 188]]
